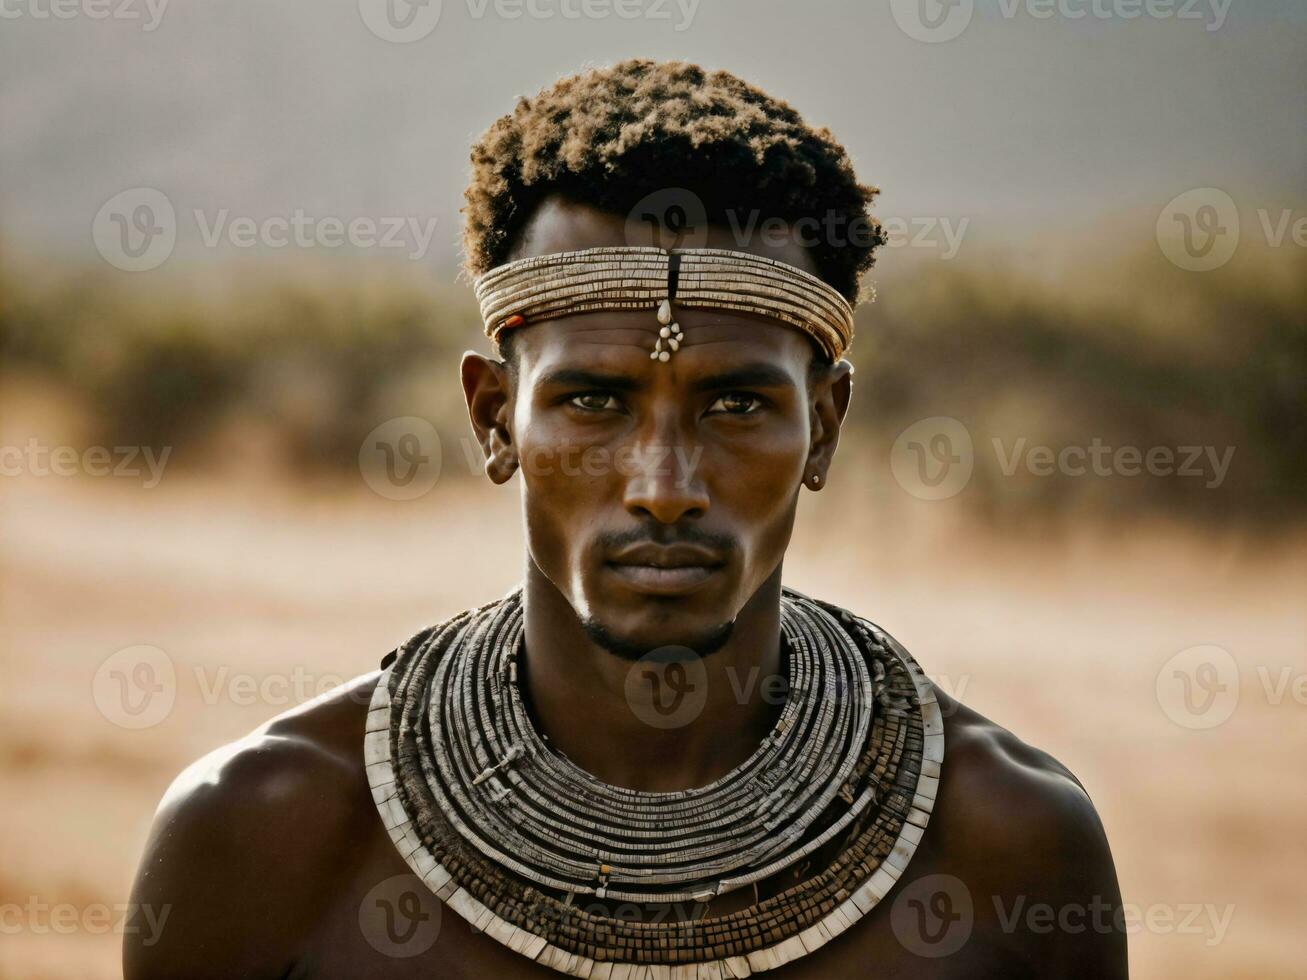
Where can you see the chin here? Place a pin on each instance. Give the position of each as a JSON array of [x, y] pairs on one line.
[[632, 635]]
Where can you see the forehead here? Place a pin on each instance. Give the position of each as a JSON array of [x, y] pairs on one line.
[[619, 343]]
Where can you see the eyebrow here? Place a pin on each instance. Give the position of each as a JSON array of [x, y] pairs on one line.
[[590, 379], [759, 374]]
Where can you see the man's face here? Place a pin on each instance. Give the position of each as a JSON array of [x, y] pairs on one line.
[[658, 496]]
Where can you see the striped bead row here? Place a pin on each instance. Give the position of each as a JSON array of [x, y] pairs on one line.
[[634, 278]]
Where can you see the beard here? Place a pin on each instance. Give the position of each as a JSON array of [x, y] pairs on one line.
[[704, 644]]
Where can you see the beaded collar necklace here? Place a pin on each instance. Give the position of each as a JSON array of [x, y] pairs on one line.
[[509, 833]]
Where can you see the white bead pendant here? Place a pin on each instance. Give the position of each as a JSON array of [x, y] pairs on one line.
[[668, 331]]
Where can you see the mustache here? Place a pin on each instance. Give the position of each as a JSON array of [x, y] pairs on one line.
[[665, 535]]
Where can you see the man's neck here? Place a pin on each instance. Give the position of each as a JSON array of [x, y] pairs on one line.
[[581, 699]]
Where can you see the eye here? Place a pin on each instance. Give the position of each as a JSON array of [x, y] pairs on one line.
[[736, 403], [594, 401]]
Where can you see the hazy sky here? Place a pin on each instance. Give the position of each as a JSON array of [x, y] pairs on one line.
[[1020, 123]]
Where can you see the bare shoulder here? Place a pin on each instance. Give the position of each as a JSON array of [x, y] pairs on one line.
[[250, 840], [1024, 836], [1013, 793]]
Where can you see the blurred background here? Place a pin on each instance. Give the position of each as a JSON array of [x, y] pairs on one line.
[[237, 468]]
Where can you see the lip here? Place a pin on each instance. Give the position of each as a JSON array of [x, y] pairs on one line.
[[655, 580], [665, 569]]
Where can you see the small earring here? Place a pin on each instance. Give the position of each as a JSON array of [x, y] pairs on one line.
[[501, 467], [816, 480]]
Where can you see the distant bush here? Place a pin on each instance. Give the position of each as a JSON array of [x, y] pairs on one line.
[[1150, 356], [1135, 352], [316, 360]]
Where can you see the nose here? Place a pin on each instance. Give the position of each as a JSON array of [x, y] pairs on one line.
[[665, 483]]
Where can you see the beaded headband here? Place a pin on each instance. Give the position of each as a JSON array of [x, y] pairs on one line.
[[640, 277]]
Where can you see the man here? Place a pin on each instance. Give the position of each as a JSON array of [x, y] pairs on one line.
[[652, 760]]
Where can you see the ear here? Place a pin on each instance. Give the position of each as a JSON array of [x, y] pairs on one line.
[[830, 404], [488, 390]]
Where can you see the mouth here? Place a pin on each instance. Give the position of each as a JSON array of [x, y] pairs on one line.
[[664, 570]]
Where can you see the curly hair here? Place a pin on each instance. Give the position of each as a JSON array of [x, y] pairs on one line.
[[607, 137]]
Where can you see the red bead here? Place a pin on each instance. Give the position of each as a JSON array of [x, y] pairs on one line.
[[516, 320]]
